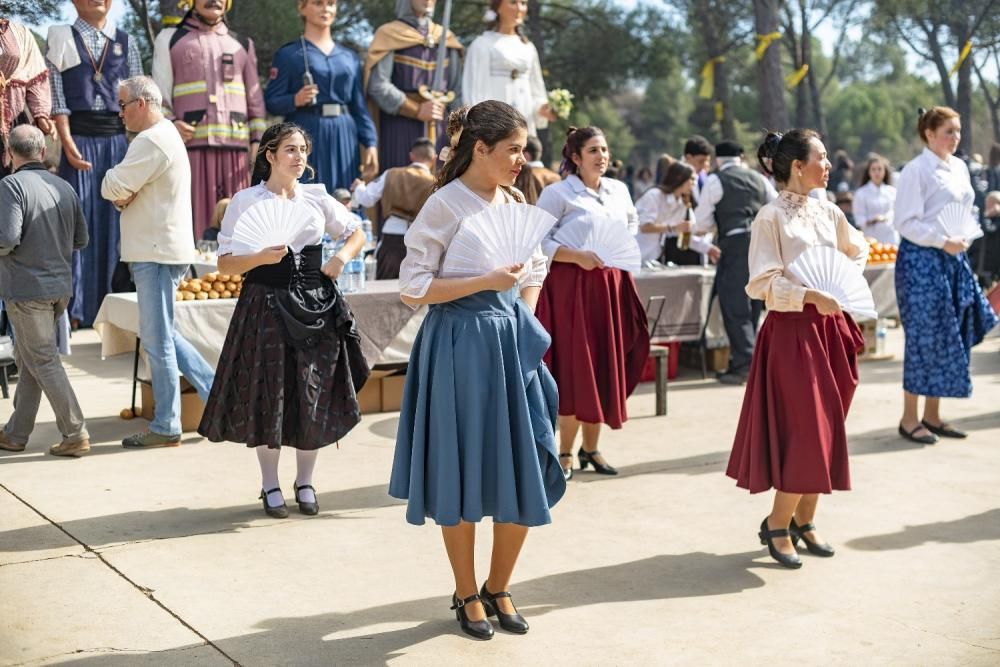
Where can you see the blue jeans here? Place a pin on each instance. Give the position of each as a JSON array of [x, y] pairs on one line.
[[166, 350]]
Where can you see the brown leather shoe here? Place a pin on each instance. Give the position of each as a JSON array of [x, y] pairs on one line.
[[76, 449], [9, 446]]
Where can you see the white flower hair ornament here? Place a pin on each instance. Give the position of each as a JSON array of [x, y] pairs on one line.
[[489, 16], [448, 152]]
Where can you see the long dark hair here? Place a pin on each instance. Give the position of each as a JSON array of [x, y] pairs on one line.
[[866, 177], [576, 139], [489, 122], [677, 174], [273, 136], [495, 23], [778, 151]]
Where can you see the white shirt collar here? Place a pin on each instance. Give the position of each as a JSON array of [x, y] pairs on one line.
[[578, 185], [536, 164], [936, 162], [421, 165], [110, 30]]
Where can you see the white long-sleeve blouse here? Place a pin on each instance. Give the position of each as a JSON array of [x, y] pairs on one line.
[[429, 236], [781, 232], [926, 186], [572, 202], [502, 67], [657, 207], [871, 201]]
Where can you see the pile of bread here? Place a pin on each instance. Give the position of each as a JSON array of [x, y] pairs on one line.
[[210, 286]]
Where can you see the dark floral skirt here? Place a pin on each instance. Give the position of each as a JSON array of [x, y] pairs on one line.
[[270, 393]]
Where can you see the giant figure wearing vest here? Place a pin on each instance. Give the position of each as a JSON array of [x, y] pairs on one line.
[[86, 62], [211, 90]]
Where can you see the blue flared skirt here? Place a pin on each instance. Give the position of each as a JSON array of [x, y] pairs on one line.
[[476, 431], [335, 152], [94, 265], [944, 314]]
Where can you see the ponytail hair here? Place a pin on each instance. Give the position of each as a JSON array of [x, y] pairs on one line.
[[273, 137], [576, 139], [489, 122]]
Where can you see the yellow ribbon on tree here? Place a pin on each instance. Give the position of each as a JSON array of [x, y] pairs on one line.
[[720, 112], [708, 77], [961, 57], [795, 78], [763, 42]]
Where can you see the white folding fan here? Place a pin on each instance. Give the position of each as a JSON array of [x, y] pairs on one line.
[[496, 236], [608, 239], [268, 223], [829, 270], [958, 220]]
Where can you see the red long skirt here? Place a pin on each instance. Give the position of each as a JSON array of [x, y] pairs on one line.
[[600, 340], [791, 434]]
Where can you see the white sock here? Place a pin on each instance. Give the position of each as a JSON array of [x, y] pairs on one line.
[[268, 459], [305, 461]]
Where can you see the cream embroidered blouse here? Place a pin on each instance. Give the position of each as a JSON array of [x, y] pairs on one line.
[[782, 231]]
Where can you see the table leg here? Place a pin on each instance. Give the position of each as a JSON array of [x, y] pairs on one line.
[[660, 363]]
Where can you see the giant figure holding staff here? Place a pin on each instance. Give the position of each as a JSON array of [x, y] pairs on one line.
[[404, 58]]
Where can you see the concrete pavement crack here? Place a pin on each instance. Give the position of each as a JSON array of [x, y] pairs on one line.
[[145, 591], [105, 649], [942, 635], [39, 560]]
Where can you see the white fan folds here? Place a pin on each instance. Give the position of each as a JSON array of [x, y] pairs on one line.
[[272, 222], [496, 236], [958, 220], [608, 239], [828, 270]]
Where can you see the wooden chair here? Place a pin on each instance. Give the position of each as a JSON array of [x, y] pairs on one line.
[[660, 355]]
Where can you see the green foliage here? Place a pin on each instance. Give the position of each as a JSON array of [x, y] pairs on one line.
[[31, 11]]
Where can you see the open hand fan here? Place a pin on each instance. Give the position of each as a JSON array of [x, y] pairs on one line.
[[496, 236], [958, 220], [829, 270], [606, 238], [268, 223]]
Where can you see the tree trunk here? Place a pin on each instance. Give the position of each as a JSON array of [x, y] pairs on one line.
[[771, 89], [727, 126], [963, 92]]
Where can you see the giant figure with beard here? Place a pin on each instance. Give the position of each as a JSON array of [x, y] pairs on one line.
[[208, 75], [401, 58], [86, 61]]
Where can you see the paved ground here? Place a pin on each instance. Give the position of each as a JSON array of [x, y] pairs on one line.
[[165, 558]]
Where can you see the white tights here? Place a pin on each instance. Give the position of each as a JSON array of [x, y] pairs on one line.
[[305, 462]]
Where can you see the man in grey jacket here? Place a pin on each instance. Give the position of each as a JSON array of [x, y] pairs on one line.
[[42, 224]]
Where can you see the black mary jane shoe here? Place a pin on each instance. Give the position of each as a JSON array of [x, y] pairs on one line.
[[567, 472], [510, 622], [928, 439], [600, 468], [944, 430], [790, 561], [476, 629], [799, 533], [278, 512], [309, 509]]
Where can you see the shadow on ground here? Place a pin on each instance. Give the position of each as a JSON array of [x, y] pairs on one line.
[[975, 528]]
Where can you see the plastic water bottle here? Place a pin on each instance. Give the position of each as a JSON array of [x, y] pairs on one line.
[[880, 337], [353, 277], [366, 226], [371, 265], [329, 248]]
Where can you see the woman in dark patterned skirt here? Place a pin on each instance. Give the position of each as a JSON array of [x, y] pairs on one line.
[[291, 365], [791, 434], [943, 310]]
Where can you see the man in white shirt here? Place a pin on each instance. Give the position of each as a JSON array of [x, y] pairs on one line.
[[152, 189], [729, 202], [402, 192]]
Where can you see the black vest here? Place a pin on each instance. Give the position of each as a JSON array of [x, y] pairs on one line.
[[743, 194]]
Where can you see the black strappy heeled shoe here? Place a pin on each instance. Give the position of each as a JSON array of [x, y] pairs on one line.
[[567, 472], [790, 561], [278, 512], [476, 629], [309, 509], [600, 468], [799, 533], [510, 622]]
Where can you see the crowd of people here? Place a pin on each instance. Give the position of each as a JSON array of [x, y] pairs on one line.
[[506, 357]]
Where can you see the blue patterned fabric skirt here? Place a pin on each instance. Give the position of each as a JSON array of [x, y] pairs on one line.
[[94, 265], [335, 153], [476, 427], [944, 314]]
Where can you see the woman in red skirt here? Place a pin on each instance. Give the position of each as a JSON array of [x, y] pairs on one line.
[[593, 313], [791, 434]]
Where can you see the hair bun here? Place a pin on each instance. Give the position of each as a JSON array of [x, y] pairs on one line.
[[920, 112], [570, 130]]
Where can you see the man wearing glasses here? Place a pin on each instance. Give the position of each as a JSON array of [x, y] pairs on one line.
[[152, 189]]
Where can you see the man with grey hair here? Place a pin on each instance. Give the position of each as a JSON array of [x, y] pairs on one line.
[[42, 224], [152, 189]]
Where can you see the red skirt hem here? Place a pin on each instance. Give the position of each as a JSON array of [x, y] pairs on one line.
[[600, 340], [791, 434]]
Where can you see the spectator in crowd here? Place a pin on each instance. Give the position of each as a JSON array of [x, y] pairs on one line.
[[535, 169], [698, 154], [211, 233], [42, 224], [845, 202], [875, 201], [643, 182], [152, 189], [842, 174]]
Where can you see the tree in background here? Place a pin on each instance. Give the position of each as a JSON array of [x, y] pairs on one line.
[[770, 82], [31, 11]]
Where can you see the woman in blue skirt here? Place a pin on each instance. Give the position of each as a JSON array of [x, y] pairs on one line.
[[943, 310], [476, 428], [328, 103]]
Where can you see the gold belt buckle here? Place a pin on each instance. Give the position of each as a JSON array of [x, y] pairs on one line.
[[514, 74]]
